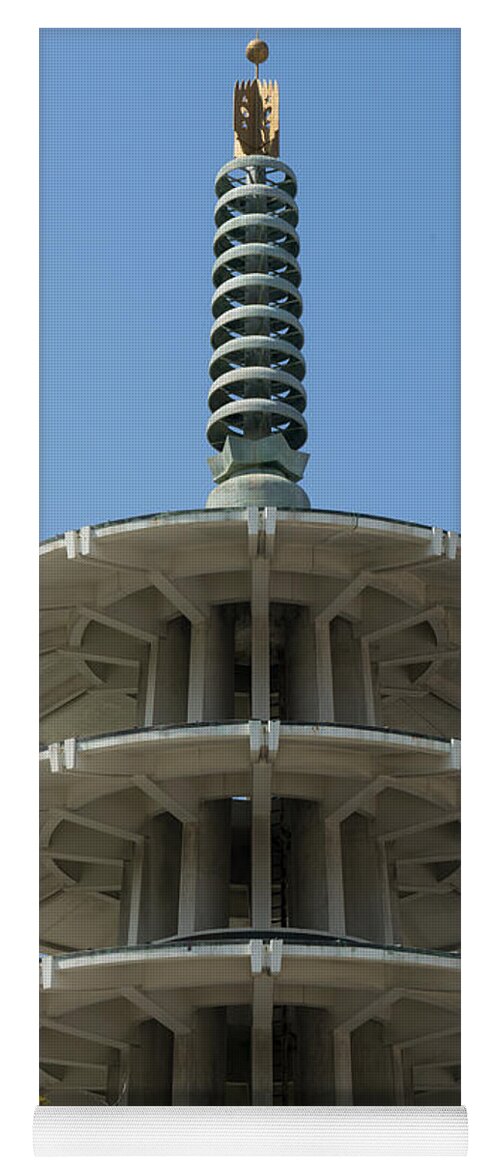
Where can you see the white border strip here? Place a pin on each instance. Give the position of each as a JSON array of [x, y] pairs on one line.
[[234, 1130]]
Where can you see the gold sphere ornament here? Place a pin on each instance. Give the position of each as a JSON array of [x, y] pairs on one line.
[[257, 51]]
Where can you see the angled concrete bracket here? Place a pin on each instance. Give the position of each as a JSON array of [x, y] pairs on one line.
[[265, 957], [62, 756], [78, 543], [264, 740]]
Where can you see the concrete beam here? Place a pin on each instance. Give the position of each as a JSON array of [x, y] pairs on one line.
[[262, 1040]]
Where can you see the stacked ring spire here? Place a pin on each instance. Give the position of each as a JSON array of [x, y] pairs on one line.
[[257, 365]]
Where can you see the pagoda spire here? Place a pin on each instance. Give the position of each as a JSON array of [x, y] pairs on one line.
[[257, 398]]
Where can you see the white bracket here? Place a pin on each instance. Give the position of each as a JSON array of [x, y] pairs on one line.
[[78, 543], [436, 542], [451, 545], [48, 965], [265, 957], [62, 756], [264, 740], [455, 754]]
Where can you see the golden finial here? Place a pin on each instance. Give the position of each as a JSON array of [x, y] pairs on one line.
[[256, 108], [257, 52]]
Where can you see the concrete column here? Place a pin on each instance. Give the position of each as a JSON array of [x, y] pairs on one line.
[[261, 846], [188, 878], [371, 715], [324, 675], [214, 865], [343, 1067], [315, 1058], [301, 674], [363, 884], [308, 893], [211, 668], [261, 671], [172, 673], [219, 667], [398, 1074], [199, 1066], [372, 1071], [150, 1065], [262, 1041], [385, 895], [348, 677], [334, 878], [150, 891]]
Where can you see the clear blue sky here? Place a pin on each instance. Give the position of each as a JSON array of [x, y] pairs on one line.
[[135, 123]]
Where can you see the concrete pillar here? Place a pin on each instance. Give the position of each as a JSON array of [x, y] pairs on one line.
[[172, 673], [211, 668], [386, 896], [150, 890], [399, 1077], [261, 846], [199, 1067], [324, 675], [214, 865], [219, 669], [363, 881], [334, 878], [349, 698], [261, 669], [301, 675], [188, 878], [262, 1041], [315, 1058], [343, 1067], [150, 1065], [307, 883], [372, 1070]]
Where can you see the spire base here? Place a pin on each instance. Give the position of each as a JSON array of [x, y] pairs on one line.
[[258, 488]]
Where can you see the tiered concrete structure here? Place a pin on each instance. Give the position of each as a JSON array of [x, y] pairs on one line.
[[250, 771]]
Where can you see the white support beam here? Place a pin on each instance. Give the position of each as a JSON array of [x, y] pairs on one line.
[[261, 532], [433, 655], [115, 624], [100, 826], [343, 1067], [360, 797], [334, 877], [366, 665], [439, 1035], [324, 675], [176, 1024], [58, 1026], [260, 667], [378, 1008], [197, 672], [261, 845], [386, 895], [262, 1040], [163, 800], [398, 1073], [70, 856], [152, 673], [188, 879], [418, 827], [91, 656], [342, 599], [135, 894], [191, 610], [425, 615]]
